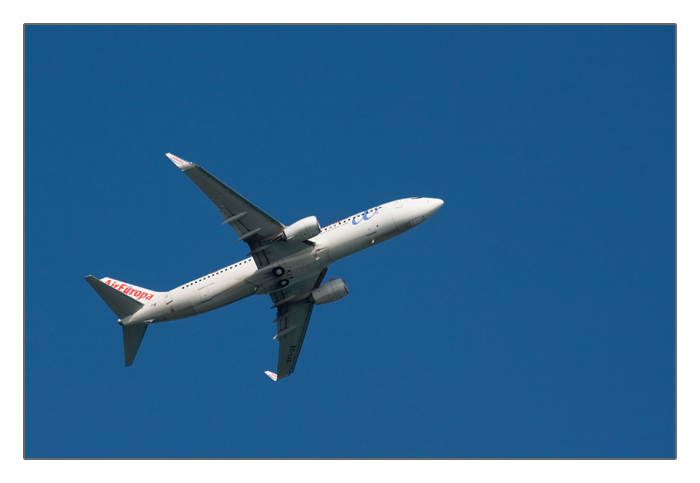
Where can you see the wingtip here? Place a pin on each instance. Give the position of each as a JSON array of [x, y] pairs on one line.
[[180, 163], [271, 375]]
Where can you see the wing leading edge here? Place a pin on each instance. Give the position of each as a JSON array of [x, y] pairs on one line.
[[258, 229]]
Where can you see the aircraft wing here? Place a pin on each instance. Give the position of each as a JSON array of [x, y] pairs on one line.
[[292, 322], [258, 229]]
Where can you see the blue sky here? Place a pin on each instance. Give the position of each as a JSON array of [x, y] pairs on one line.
[[532, 316]]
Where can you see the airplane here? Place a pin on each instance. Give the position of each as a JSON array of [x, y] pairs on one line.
[[288, 263]]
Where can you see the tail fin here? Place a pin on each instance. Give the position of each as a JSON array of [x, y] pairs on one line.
[[121, 304], [123, 299]]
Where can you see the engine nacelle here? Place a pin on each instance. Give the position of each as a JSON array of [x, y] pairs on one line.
[[302, 230], [334, 289]]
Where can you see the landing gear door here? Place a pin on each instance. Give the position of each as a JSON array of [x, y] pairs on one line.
[[168, 298]]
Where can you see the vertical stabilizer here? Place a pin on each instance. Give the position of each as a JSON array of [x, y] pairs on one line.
[[123, 299], [122, 305]]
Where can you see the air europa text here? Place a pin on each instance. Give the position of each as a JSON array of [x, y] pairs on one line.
[[129, 290]]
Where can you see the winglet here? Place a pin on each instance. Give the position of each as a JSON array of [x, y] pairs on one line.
[[271, 375], [180, 163]]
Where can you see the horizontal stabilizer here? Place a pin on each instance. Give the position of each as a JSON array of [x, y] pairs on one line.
[[122, 305], [133, 335], [271, 375]]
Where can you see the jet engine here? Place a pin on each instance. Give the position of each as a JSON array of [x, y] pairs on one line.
[[334, 289], [302, 230]]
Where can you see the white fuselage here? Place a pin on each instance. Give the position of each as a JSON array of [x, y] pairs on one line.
[[242, 279]]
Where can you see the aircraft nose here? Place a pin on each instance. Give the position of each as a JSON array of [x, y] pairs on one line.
[[434, 204], [423, 209]]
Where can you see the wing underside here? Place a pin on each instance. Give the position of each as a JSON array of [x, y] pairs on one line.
[[293, 330], [263, 234], [292, 321], [258, 229]]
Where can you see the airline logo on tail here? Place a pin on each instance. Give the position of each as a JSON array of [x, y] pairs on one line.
[[137, 293]]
